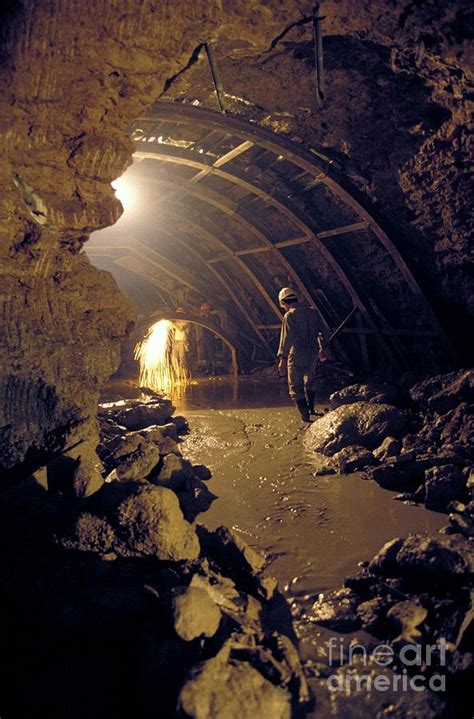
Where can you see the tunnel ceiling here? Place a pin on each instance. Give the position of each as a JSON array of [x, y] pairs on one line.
[[229, 211]]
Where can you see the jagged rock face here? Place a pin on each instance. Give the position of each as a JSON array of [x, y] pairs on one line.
[[73, 76]]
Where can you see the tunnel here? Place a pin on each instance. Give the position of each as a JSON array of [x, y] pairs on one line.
[[236, 409]]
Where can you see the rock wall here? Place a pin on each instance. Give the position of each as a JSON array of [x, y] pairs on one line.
[[73, 76]]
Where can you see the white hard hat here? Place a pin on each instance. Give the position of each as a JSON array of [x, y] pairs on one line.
[[286, 293]]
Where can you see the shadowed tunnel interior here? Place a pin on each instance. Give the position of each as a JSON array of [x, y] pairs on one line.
[[178, 539], [219, 209]]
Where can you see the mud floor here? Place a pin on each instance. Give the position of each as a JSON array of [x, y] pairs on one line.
[[315, 529]]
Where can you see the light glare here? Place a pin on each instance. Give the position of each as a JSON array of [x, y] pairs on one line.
[[160, 368], [125, 192]]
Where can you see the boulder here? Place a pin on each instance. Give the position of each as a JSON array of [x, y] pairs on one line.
[[227, 548], [372, 612], [164, 439], [157, 411], [396, 476], [180, 422], [443, 485], [194, 498], [168, 446], [441, 556], [406, 617], [390, 447], [444, 392], [222, 689], [353, 458], [195, 614], [149, 522], [169, 429], [128, 445], [236, 559], [202, 472], [174, 473], [76, 472], [221, 589], [460, 389], [461, 519], [456, 429], [377, 392], [363, 583], [361, 423], [89, 533], [325, 469], [385, 561], [140, 462], [86, 478]]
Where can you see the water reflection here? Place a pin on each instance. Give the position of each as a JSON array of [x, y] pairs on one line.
[[233, 393]]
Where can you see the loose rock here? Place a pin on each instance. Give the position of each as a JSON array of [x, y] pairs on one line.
[[150, 523], [223, 690], [390, 447], [361, 423], [195, 614], [174, 473], [444, 392], [407, 617], [353, 458], [443, 485], [140, 462], [157, 411], [89, 533], [376, 392]]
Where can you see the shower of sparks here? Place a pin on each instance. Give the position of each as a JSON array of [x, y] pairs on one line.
[[160, 368]]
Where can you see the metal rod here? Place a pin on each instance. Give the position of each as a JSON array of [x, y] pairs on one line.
[[343, 323], [216, 78], [318, 54]]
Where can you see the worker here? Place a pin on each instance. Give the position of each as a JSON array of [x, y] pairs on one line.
[[302, 345], [181, 344], [208, 338]]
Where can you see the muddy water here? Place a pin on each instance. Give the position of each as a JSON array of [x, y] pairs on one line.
[[315, 529]]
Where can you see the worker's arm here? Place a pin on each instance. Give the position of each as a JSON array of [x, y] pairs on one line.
[[285, 345], [286, 339]]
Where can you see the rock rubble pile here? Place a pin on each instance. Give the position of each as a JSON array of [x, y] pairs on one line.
[[126, 583], [420, 444], [418, 591]]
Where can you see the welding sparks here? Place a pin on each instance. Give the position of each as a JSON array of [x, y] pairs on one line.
[[160, 367]]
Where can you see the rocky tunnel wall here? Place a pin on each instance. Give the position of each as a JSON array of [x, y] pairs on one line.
[[73, 77]]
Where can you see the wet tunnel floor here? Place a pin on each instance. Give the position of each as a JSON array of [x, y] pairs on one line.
[[315, 530]]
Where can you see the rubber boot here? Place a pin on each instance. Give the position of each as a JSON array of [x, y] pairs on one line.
[[303, 409], [310, 399]]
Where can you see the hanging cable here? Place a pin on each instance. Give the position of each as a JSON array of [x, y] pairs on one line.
[[216, 78], [318, 54]]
